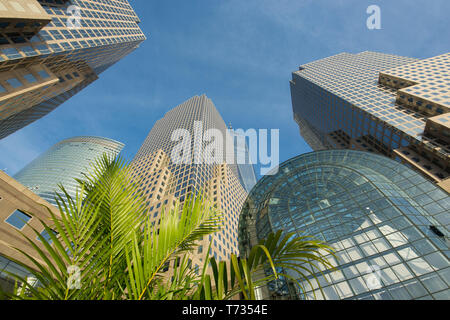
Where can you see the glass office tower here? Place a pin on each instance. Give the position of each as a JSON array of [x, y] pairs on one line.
[[50, 50], [389, 225], [63, 163], [382, 103], [166, 182], [246, 170]]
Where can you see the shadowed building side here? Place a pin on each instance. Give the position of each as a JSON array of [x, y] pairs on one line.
[[51, 50], [382, 103]]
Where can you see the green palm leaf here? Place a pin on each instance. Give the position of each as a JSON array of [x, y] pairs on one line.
[[104, 231], [177, 234]]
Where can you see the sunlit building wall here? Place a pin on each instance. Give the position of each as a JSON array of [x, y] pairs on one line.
[[50, 50], [165, 182], [388, 104]]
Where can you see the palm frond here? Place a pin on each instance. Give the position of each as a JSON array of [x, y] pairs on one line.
[[177, 234], [297, 255], [105, 233]]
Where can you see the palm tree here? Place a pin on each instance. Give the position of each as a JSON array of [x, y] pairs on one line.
[[104, 246]]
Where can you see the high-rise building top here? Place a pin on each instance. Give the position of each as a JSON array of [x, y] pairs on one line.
[[63, 163], [393, 105], [166, 182], [196, 115], [245, 168], [50, 50]]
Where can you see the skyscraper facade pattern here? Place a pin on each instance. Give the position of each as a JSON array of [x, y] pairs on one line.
[[63, 163], [245, 167], [165, 182], [392, 105], [388, 225], [50, 50]]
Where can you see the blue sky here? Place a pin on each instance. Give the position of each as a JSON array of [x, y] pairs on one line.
[[240, 53]]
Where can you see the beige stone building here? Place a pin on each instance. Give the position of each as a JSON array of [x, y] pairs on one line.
[[17, 206], [392, 105], [165, 183], [424, 87], [50, 50]]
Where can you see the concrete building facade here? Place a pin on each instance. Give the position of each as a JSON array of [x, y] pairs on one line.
[[165, 182], [50, 50], [17, 206]]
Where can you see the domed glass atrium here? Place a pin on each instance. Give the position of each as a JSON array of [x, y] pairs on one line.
[[388, 224]]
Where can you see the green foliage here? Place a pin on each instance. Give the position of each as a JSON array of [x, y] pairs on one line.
[[288, 253], [104, 237]]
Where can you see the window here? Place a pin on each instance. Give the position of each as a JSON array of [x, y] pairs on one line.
[[18, 219], [55, 47], [46, 236], [11, 53], [29, 51], [56, 34], [14, 83], [43, 48], [66, 46], [43, 74], [45, 35], [196, 269], [30, 78]]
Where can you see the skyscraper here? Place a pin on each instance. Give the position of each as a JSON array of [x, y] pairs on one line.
[[50, 50], [376, 102], [246, 170], [63, 163], [166, 182], [388, 225]]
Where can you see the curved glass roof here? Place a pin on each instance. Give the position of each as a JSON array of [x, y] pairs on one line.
[[365, 206]]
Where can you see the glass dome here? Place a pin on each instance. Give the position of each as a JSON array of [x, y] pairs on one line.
[[388, 224], [63, 163]]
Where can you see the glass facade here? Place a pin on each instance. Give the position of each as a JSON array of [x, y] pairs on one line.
[[63, 163], [388, 225], [7, 266], [379, 103], [58, 48], [246, 170]]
